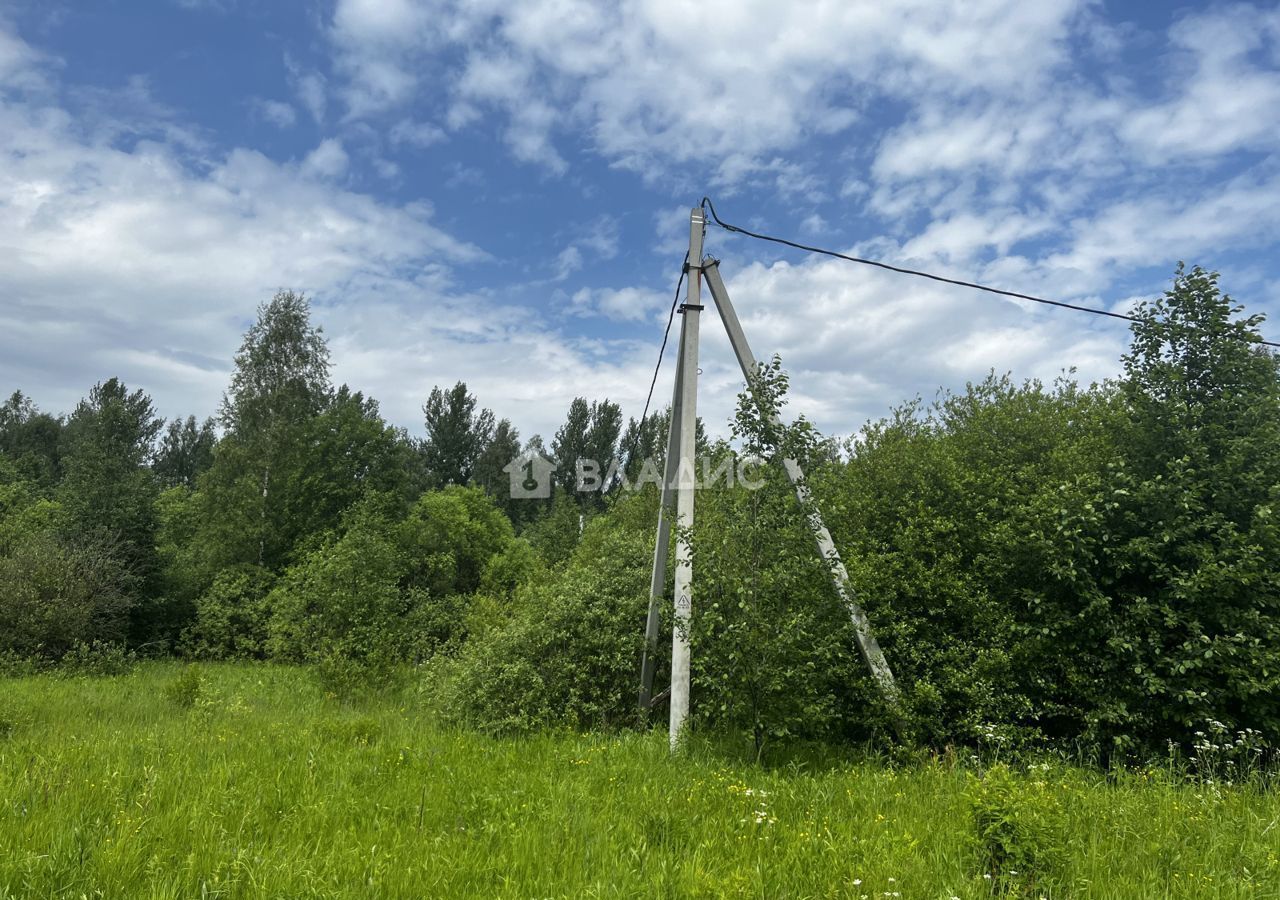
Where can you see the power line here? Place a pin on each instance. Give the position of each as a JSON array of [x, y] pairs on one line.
[[684, 267], [708, 205]]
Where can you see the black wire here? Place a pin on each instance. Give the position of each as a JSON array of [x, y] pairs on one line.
[[684, 267], [707, 204]]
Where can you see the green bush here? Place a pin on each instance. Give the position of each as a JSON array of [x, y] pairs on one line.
[[15, 665], [567, 657], [1095, 567], [773, 647], [450, 539], [56, 593], [345, 595], [1016, 824], [233, 616], [958, 527], [186, 689], [556, 533], [98, 658], [348, 678], [515, 565]]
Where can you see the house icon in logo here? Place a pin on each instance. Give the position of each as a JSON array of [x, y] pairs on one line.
[[530, 475]]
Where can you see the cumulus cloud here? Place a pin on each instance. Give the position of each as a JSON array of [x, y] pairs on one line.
[[597, 241], [859, 341], [19, 61], [328, 160], [128, 246], [766, 75], [416, 134], [310, 87], [624, 304], [276, 112], [134, 262], [1226, 98], [567, 262], [141, 260]]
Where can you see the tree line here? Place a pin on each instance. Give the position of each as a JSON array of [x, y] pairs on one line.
[[132, 524], [1096, 566]]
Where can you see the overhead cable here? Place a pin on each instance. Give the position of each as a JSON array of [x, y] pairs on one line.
[[736, 229]]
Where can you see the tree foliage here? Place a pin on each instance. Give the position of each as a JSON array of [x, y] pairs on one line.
[[185, 451], [281, 376], [1089, 566], [31, 440], [457, 435]]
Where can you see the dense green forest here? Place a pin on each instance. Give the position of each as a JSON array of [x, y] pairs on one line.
[[1087, 566]]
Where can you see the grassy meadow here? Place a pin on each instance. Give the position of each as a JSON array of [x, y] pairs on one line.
[[244, 781]]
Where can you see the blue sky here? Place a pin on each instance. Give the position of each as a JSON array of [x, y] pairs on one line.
[[499, 192]]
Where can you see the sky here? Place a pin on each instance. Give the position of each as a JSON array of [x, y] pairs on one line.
[[499, 192]]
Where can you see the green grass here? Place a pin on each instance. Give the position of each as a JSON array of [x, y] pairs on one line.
[[254, 785]]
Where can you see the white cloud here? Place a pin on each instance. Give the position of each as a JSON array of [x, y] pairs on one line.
[[599, 240], [814, 224], [964, 236], [567, 262], [327, 160], [763, 76], [859, 341], [220, 6], [134, 259], [276, 112], [1213, 97], [602, 238], [1223, 100], [310, 87], [18, 61], [623, 305], [671, 231], [1160, 229], [133, 263], [415, 134], [370, 35], [145, 257]]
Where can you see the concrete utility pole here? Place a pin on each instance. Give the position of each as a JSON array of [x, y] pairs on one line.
[[686, 478], [658, 582], [680, 476]]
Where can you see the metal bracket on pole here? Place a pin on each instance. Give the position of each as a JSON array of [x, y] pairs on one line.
[[868, 647]]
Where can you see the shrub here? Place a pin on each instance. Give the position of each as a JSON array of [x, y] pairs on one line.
[[773, 649], [568, 655], [186, 689], [1016, 833], [98, 658], [55, 593], [343, 610], [555, 535], [233, 615], [348, 679], [15, 665], [449, 540], [515, 565]]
